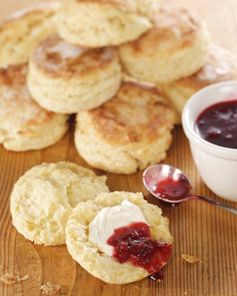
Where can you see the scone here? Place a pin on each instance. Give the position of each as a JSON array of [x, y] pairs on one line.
[[128, 133], [22, 31], [65, 78], [98, 23], [220, 66], [119, 237], [24, 125], [177, 46], [44, 197]]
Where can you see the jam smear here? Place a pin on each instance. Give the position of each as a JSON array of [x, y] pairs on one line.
[[218, 124], [133, 244], [172, 189]]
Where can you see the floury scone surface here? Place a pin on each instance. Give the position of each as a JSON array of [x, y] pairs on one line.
[[43, 199], [128, 133], [21, 32], [24, 125], [220, 66], [66, 78], [175, 47], [104, 23]]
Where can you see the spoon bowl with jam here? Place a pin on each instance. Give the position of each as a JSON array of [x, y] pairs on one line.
[[170, 185]]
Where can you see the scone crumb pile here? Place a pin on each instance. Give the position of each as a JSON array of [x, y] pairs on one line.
[[50, 288], [11, 279]]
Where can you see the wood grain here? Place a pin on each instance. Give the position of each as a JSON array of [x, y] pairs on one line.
[[198, 229]]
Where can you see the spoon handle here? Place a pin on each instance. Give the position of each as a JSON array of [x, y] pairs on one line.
[[219, 204]]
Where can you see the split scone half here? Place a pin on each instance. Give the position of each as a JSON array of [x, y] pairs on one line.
[[66, 78], [137, 230], [22, 31], [128, 133], [175, 47], [98, 23], [24, 125], [43, 199]]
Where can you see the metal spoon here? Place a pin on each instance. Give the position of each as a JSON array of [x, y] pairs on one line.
[[170, 185]]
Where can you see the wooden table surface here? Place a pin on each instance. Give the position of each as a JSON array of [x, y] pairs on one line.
[[198, 229]]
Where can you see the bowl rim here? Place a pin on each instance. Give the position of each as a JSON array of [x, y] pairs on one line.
[[193, 136]]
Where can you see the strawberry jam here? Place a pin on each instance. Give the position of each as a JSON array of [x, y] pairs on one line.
[[133, 244], [218, 124], [171, 189]]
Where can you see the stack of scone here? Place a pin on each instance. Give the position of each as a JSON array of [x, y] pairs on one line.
[[78, 52], [24, 124], [121, 127]]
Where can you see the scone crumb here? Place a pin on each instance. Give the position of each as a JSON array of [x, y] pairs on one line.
[[1, 267], [191, 259], [50, 288], [24, 278], [11, 279]]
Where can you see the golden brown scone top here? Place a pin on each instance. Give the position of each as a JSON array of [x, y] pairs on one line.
[[137, 113], [173, 30], [139, 6], [32, 16], [220, 66], [55, 56], [16, 103], [117, 3]]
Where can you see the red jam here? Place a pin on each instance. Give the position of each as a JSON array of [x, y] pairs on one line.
[[171, 189], [218, 124], [133, 244]]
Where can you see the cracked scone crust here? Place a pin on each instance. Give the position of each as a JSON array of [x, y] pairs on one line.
[[44, 197], [128, 133], [67, 78], [22, 31], [87, 254], [24, 125], [106, 22], [176, 46], [221, 66]]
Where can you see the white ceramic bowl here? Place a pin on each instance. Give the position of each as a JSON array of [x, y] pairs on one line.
[[217, 165]]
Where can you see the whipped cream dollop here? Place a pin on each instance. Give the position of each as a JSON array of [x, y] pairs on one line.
[[111, 218]]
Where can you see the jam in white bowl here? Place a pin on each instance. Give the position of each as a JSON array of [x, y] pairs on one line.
[[210, 123]]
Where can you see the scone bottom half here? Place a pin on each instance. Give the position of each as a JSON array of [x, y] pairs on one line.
[[119, 237]]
